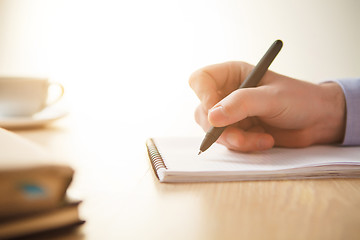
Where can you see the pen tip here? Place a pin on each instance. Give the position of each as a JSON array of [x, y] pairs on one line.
[[199, 152]]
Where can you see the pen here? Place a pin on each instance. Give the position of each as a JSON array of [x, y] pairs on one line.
[[252, 80]]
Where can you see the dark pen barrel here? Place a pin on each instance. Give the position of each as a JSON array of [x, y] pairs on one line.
[[211, 136], [253, 79]]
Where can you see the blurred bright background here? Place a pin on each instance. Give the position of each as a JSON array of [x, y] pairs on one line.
[[125, 64]]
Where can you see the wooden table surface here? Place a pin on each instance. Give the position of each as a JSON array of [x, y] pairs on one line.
[[124, 200]]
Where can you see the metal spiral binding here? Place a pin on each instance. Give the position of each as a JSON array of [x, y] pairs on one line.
[[156, 160]]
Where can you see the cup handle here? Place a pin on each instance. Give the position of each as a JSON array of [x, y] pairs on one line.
[[61, 93]]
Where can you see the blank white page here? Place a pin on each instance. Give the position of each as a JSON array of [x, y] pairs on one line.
[[180, 155]]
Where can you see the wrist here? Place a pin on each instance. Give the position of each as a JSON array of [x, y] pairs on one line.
[[332, 118]]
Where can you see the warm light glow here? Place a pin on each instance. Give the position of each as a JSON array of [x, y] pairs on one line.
[[127, 63]]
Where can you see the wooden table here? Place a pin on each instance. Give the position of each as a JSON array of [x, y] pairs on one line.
[[124, 200]]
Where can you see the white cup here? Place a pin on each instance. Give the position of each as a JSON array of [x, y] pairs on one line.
[[25, 96]]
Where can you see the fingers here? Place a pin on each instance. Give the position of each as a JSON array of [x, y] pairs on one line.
[[214, 82], [201, 118], [243, 103], [246, 141], [291, 137], [251, 138]]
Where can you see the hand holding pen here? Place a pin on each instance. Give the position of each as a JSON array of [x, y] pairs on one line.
[[280, 111]]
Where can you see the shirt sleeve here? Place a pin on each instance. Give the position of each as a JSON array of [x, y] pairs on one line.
[[351, 88]]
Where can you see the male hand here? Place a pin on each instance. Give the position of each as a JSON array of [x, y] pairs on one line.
[[281, 111]]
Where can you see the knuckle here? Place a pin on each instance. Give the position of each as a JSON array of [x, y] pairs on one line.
[[192, 78], [197, 115], [196, 77]]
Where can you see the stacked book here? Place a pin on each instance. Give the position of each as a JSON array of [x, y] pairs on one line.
[[33, 190]]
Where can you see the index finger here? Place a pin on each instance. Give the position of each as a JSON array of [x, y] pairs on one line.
[[214, 82]]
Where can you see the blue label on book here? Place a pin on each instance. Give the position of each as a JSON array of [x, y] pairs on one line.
[[32, 190]]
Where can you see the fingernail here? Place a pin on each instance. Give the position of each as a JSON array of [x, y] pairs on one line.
[[217, 110]]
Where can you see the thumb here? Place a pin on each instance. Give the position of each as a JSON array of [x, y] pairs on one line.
[[243, 103]]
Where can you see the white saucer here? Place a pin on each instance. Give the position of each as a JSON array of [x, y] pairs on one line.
[[46, 116]]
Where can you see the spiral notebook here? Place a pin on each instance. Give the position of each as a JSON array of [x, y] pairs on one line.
[[176, 160]]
